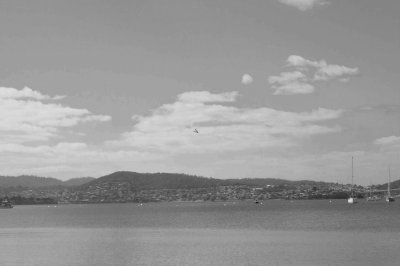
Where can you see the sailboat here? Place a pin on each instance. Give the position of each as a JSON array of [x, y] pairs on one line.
[[352, 199], [389, 198]]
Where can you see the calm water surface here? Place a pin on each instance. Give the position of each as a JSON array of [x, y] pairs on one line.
[[221, 233]]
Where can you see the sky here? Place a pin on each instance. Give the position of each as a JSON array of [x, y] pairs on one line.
[[288, 89]]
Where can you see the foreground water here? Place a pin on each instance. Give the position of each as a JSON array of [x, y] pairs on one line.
[[219, 233]]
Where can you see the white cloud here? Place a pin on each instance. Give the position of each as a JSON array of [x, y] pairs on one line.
[[247, 79], [288, 83], [205, 96], [303, 5], [222, 128], [306, 74], [388, 141], [294, 88], [323, 70], [326, 72], [11, 93], [24, 118], [287, 77], [299, 61], [63, 147]]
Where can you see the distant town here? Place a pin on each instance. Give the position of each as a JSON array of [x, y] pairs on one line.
[[123, 187]]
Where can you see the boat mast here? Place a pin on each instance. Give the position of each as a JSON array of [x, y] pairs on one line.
[[352, 176], [389, 184]]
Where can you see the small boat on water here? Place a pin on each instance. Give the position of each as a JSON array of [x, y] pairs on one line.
[[372, 197], [352, 199], [389, 198], [6, 204]]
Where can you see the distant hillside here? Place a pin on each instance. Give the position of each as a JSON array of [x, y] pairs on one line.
[[140, 181], [393, 185], [28, 181], [37, 182], [144, 181], [274, 182], [259, 181]]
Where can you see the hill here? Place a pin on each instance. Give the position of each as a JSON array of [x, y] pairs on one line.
[[262, 182], [147, 187], [393, 185], [144, 187], [144, 181]]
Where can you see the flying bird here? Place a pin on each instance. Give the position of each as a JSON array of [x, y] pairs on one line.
[[195, 130]]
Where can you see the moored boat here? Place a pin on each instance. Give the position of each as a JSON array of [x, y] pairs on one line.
[[352, 199], [389, 197], [6, 204], [373, 198]]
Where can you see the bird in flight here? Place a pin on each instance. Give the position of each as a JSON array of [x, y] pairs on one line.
[[195, 130]]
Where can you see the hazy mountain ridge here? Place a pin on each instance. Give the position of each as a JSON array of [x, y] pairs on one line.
[[144, 181], [29, 181]]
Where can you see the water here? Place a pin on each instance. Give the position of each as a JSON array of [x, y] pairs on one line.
[[220, 233]]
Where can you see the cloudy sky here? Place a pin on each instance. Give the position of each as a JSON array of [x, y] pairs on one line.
[[280, 88]]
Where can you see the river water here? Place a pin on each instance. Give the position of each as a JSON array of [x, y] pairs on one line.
[[277, 232]]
